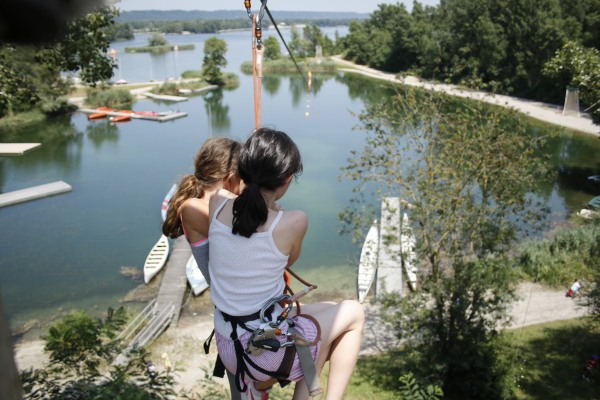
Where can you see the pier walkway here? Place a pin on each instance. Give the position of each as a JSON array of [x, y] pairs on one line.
[[174, 282], [34, 193]]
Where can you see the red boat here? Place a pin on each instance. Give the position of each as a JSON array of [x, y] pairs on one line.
[[148, 113]]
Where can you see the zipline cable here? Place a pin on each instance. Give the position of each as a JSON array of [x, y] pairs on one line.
[[284, 43]]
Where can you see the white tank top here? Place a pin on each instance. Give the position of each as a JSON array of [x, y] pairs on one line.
[[245, 272]]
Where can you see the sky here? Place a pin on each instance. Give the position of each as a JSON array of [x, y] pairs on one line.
[[361, 6]]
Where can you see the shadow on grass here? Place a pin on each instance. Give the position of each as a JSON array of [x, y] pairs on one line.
[[552, 359]]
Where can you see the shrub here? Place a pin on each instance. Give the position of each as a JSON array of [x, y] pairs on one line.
[[569, 255], [192, 73], [56, 105], [114, 98], [157, 40], [286, 64]]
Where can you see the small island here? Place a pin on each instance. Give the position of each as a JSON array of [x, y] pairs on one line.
[[158, 43]]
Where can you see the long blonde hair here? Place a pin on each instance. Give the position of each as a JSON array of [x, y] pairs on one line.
[[217, 158]]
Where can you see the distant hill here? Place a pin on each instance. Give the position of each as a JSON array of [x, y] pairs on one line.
[[170, 15]]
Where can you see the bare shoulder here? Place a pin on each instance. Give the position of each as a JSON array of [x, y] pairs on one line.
[[191, 208], [220, 196], [296, 220]]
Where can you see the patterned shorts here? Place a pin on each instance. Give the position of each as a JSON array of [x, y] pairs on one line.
[[270, 361]]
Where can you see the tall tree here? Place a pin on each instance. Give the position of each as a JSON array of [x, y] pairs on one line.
[[214, 59], [467, 170], [272, 49]]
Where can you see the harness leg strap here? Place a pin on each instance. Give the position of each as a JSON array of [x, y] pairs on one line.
[[308, 367]]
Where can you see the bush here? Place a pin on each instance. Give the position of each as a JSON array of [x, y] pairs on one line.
[[56, 105], [192, 73], [114, 98], [568, 256], [287, 65], [157, 40]]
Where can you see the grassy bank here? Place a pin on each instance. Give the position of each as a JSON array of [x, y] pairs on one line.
[[114, 98], [286, 64], [151, 49], [172, 89], [571, 254], [21, 119]]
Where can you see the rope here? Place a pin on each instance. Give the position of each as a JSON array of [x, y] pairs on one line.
[[257, 60]]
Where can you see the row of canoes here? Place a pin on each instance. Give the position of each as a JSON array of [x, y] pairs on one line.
[[159, 254], [103, 113]]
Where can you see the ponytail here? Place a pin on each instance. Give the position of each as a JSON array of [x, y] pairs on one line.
[[217, 158], [266, 161]]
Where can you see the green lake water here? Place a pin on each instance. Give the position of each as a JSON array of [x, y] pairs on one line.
[[65, 252]]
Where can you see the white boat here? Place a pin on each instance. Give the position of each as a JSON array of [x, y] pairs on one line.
[[195, 278], [409, 247], [165, 203], [588, 214], [368, 262], [595, 178], [156, 259], [185, 91]]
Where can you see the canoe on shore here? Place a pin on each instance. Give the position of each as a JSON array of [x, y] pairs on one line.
[[195, 278], [156, 259], [368, 262]]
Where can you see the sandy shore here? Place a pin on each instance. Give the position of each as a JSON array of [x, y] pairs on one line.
[[535, 109]]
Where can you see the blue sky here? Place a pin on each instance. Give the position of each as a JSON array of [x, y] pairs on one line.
[[362, 6]]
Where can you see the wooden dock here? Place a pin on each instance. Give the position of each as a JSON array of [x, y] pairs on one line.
[[161, 118], [389, 271], [36, 192], [174, 281], [17, 149], [165, 97]]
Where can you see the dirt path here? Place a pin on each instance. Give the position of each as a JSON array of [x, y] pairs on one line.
[[535, 109]]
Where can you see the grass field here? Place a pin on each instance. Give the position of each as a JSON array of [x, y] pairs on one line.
[[551, 361]]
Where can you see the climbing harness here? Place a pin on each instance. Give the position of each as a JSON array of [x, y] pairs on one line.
[[265, 338]]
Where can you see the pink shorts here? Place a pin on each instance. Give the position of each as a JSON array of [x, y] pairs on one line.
[[268, 360]]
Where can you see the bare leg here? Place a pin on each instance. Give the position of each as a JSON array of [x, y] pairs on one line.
[[341, 334]]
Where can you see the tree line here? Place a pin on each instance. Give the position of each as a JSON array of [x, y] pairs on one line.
[[215, 25], [497, 45]]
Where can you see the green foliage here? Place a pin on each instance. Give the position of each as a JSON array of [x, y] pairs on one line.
[[286, 64], [192, 73], [580, 67], [468, 170], [158, 49], [298, 45], [570, 255], [56, 106], [29, 74], [272, 49], [210, 389], [157, 40], [114, 98], [214, 60], [120, 31], [411, 391], [78, 346], [496, 45]]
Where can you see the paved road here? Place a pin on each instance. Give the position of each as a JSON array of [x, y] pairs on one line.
[[538, 110]]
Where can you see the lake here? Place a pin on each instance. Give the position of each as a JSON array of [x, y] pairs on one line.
[[65, 252]]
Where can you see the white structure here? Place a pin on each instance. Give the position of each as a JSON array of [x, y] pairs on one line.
[[319, 53], [571, 102], [389, 272], [368, 262]]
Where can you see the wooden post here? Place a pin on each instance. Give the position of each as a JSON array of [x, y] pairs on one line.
[[10, 384]]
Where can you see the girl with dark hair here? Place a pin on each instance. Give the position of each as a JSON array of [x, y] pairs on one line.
[[252, 241], [215, 167]]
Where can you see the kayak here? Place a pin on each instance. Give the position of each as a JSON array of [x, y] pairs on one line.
[[121, 118], [594, 203], [97, 115]]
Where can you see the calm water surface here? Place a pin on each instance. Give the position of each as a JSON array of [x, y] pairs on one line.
[[65, 252]]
